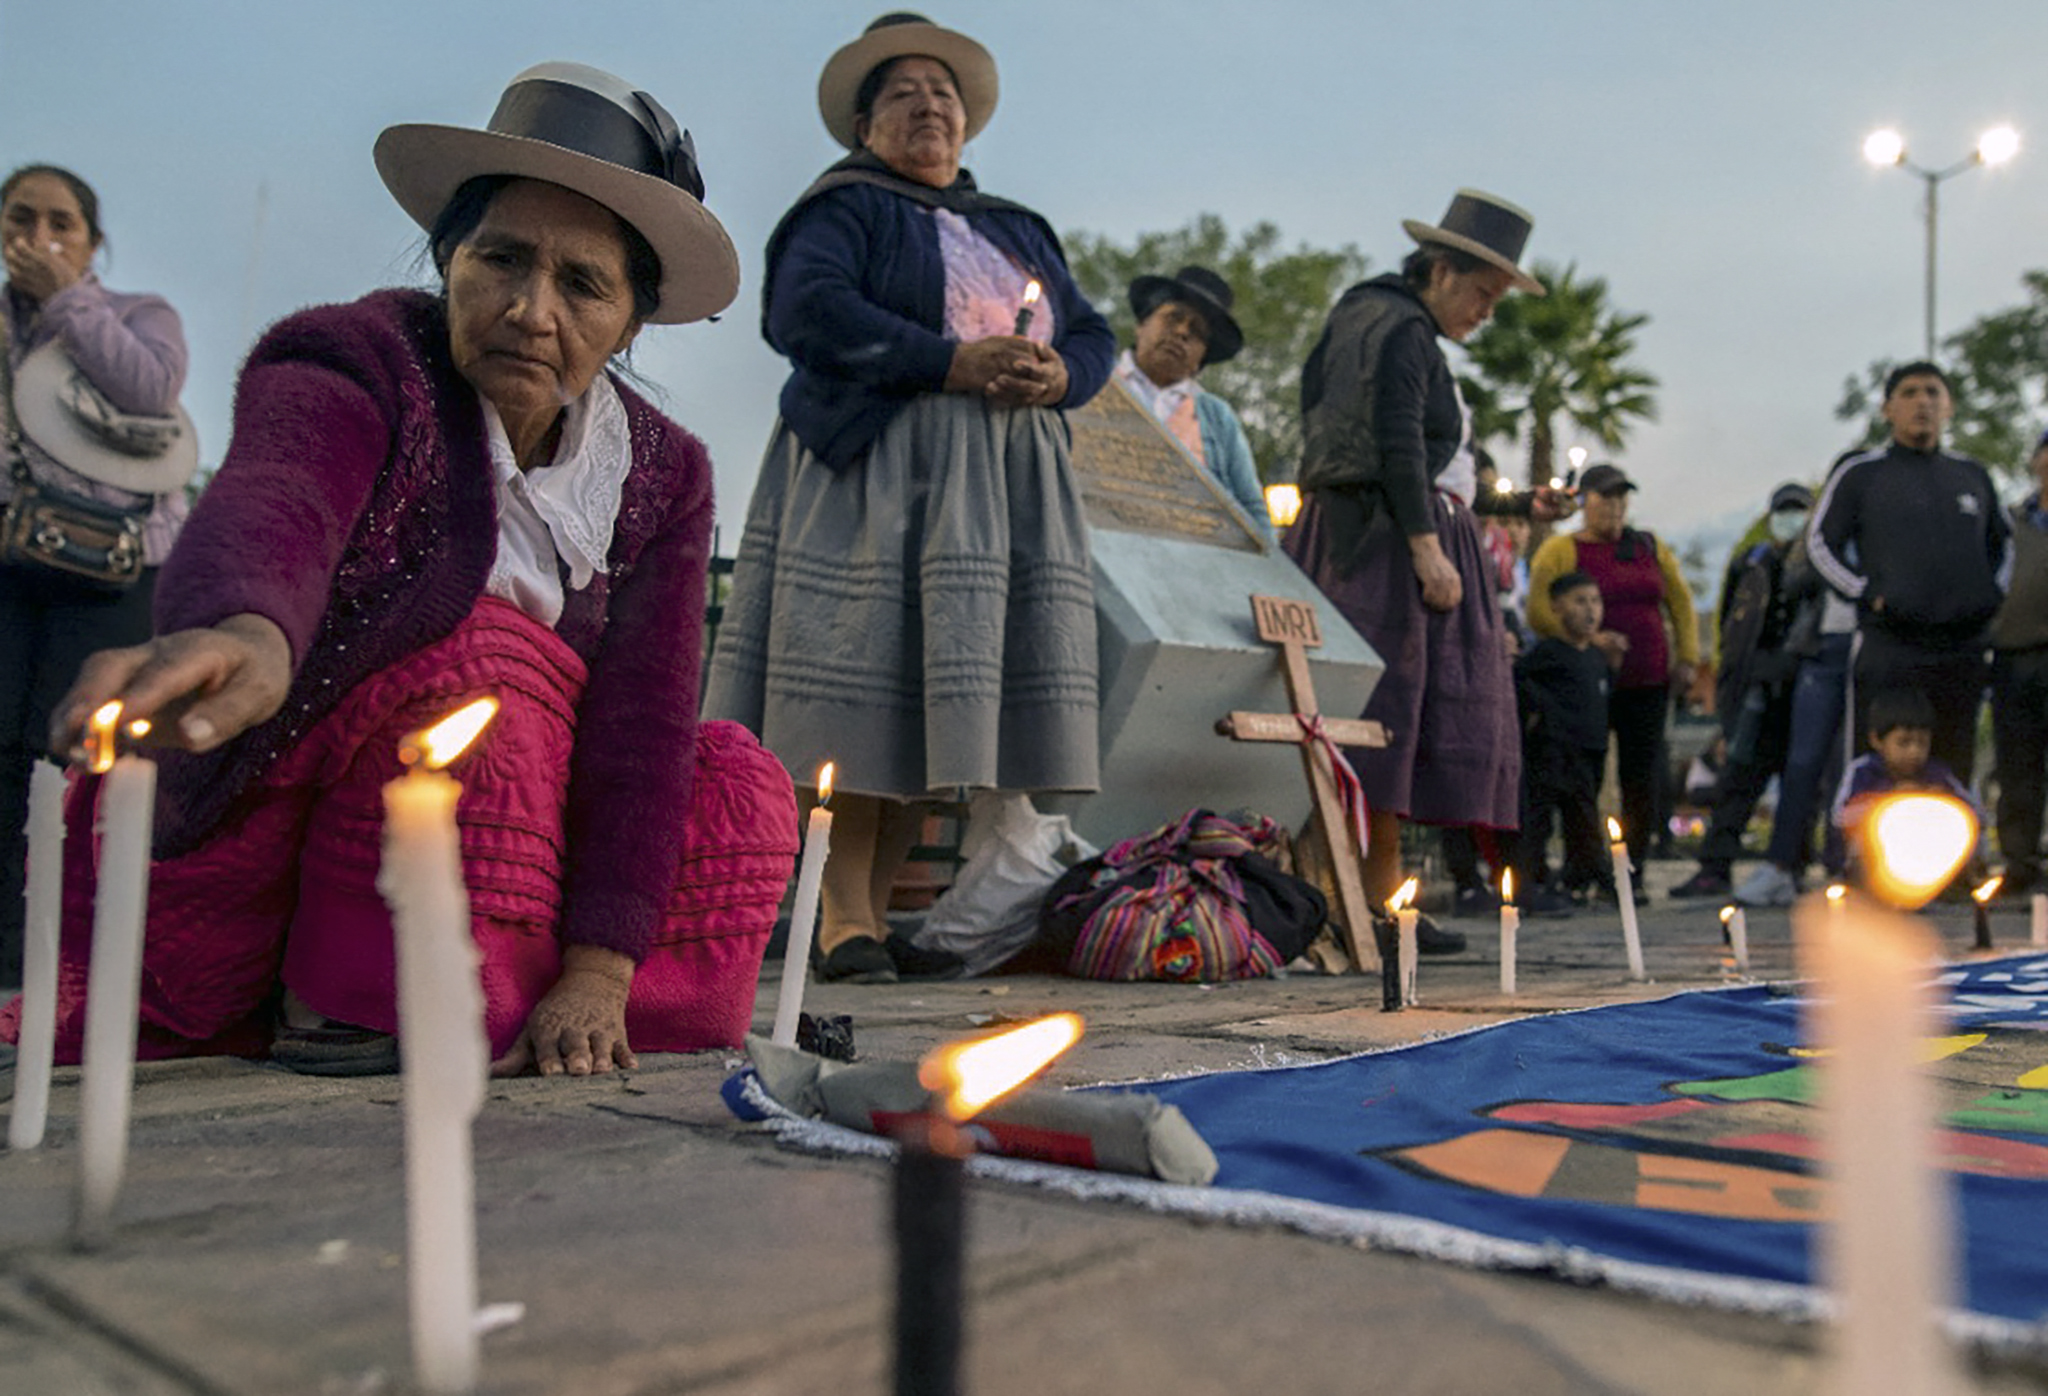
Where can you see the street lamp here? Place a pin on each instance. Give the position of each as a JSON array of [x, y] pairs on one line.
[[1888, 147]]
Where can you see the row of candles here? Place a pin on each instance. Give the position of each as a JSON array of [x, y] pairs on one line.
[[1872, 1008]]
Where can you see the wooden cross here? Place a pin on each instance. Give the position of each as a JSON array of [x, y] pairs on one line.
[[1293, 627]]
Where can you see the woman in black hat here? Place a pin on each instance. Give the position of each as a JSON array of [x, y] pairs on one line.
[[914, 599], [1184, 325], [430, 496], [1387, 530]]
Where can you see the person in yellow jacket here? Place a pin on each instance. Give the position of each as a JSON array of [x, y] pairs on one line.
[[1650, 636]]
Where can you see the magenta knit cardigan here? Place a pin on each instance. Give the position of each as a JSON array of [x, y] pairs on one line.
[[355, 508]]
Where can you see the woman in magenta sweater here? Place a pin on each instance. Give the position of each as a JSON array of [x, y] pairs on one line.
[[428, 497]]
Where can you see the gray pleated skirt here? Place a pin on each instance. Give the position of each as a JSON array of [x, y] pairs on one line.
[[925, 618]]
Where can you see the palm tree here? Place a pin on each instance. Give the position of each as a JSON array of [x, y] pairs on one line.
[[1565, 353]]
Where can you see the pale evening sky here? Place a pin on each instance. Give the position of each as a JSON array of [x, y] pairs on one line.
[[1700, 154]]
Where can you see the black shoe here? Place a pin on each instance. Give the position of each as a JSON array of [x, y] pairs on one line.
[[1546, 903], [1432, 939], [1704, 883], [334, 1048], [916, 962], [1478, 900], [861, 960]]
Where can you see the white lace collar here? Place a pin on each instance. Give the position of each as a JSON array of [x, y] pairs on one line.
[[576, 495]]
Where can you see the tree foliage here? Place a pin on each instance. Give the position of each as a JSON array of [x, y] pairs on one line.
[[1282, 298], [1998, 368], [1568, 354]]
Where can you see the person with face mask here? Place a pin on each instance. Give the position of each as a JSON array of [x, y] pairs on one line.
[[1760, 633]]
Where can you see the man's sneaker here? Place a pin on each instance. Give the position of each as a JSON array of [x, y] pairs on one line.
[[1767, 885], [1704, 883], [1474, 901]]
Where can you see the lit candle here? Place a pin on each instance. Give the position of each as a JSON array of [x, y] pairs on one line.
[[1510, 924], [1402, 907], [1980, 899], [1735, 921], [1886, 1250], [1024, 310], [37, 1045], [445, 1053], [2038, 928], [1283, 504], [113, 986], [1625, 895], [930, 1191], [803, 914]]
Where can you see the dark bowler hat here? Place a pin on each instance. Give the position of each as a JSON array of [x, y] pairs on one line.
[[1205, 291], [1488, 227], [1605, 479], [1791, 495]]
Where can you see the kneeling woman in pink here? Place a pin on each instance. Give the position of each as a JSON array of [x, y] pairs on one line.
[[427, 498]]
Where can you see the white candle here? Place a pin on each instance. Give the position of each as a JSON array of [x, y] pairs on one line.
[[2039, 927], [803, 914], [37, 1046], [1510, 924], [446, 1060], [1737, 922], [1625, 896], [1401, 906], [114, 981], [1886, 1251]]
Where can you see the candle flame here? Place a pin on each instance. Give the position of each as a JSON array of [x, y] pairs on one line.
[[968, 1077], [1031, 293], [100, 737], [1727, 914], [1913, 843], [1836, 892], [1507, 886], [1613, 829], [1283, 504], [825, 782], [1404, 895], [139, 728], [434, 747], [1986, 890]]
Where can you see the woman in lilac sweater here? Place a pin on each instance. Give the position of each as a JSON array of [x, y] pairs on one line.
[[132, 348], [427, 497]]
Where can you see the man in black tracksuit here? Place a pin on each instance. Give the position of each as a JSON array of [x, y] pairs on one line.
[[1917, 539]]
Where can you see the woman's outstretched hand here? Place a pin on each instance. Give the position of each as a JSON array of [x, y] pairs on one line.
[[579, 1027], [198, 688]]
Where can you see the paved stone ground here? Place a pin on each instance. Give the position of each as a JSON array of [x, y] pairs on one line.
[[661, 1247]]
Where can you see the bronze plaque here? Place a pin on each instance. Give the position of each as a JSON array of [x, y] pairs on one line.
[[1135, 478]]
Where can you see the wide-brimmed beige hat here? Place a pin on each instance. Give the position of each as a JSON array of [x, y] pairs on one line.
[[600, 137], [57, 407], [1487, 226], [901, 35]]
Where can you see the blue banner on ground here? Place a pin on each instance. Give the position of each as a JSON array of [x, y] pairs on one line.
[[1667, 1137]]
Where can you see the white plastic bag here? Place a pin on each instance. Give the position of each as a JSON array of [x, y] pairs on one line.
[[1013, 856]]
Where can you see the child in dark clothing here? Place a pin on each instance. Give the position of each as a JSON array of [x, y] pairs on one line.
[[1901, 738], [1561, 687]]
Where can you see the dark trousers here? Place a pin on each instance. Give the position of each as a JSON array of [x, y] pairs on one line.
[[1756, 752], [48, 625], [1951, 679], [1561, 785], [2019, 735], [1637, 716], [1814, 756]]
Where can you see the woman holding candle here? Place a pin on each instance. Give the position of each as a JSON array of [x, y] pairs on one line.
[[430, 497], [131, 349], [914, 597]]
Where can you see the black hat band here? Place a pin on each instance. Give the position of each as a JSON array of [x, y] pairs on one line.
[[575, 118]]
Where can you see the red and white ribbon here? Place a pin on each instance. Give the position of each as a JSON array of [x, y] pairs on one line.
[[1313, 733]]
